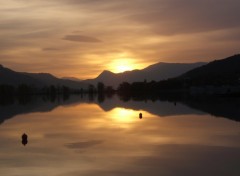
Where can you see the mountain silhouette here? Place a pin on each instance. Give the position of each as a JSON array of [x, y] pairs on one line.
[[155, 72], [224, 71], [14, 78], [72, 78]]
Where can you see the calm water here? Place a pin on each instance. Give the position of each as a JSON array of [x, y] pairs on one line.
[[79, 137]]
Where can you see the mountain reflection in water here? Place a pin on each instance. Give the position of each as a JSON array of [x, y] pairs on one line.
[[163, 107]]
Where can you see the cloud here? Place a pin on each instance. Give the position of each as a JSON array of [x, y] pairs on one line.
[[145, 31], [101, 172], [81, 38], [50, 49], [178, 17], [85, 144], [168, 17]]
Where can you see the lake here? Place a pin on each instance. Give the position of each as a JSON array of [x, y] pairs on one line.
[[82, 136]]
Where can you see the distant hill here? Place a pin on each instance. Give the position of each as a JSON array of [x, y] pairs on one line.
[[72, 79], [224, 71], [156, 72], [14, 78]]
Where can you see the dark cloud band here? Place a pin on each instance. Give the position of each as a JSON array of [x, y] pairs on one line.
[[81, 38]]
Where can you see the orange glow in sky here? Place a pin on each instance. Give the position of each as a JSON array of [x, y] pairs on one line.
[[122, 65], [82, 38]]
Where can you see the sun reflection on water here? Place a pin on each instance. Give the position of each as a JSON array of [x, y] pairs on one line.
[[122, 115]]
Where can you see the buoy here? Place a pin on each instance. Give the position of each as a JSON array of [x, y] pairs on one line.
[[24, 139]]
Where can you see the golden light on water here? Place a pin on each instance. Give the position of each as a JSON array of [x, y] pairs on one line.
[[122, 115]]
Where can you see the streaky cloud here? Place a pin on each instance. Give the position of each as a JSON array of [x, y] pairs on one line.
[[50, 49], [81, 38]]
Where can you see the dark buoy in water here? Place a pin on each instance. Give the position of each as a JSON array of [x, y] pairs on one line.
[[24, 139], [140, 115]]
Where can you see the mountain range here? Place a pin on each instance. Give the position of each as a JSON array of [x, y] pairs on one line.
[[225, 70], [156, 72], [10, 77]]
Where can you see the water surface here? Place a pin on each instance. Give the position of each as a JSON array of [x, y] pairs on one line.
[[82, 137]]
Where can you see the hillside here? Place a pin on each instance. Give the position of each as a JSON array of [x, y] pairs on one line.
[[224, 71], [14, 78]]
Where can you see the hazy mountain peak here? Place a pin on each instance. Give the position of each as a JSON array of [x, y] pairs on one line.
[[3, 68], [6, 70], [71, 78], [105, 73]]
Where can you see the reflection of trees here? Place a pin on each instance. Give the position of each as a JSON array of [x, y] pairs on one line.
[[162, 105], [228, 107], [219, 107], [91, 89], [101, 91], [101, 97], [100, 87]]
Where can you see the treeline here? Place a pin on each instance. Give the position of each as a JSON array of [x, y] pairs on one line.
[[176, 84], [142, 90], [25, 89], [24, 93], [152, 87], [100, 88]]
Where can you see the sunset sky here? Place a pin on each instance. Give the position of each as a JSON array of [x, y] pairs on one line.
[[81, 38]]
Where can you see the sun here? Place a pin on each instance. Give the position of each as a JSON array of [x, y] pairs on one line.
[[123, 68], [122, 65]]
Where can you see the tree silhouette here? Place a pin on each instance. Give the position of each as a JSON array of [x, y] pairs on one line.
[[100, 87]]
